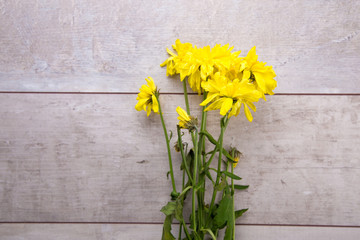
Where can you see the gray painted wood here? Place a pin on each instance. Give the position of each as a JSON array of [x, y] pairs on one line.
[[93, 158], [111, 46], [153, 231]]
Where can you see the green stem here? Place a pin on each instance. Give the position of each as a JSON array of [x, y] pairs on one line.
[[186, 230], [232, 196], [180, 229], [182, 189], [202, 178], [225, 178], [211, 157], [195, 172], [223, 128], [183, 154], [202, 128], [168, 147], [186, 97]]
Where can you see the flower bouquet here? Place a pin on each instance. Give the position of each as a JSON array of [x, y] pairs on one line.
[[229, 83]]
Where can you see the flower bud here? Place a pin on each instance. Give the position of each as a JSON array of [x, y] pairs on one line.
[[236, 154]]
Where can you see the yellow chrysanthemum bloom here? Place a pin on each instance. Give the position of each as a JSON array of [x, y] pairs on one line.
[[199, 63], [186, 121], [147, 98], [214, 86], [204, 62], [208, 61], [172, 63], [230, 97], [256, 72]]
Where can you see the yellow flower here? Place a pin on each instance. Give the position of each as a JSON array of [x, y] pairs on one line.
[[198, 63], [214, 86], [186, 121], [147, 98], [204, 62], [256, 72], [172, 63], [230, 97]]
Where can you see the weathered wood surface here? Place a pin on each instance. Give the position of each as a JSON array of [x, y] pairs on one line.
[[111, 46], [153, 231], [93, 158]]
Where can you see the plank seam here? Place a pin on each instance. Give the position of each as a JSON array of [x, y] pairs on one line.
[[170, 93], [160, 223]]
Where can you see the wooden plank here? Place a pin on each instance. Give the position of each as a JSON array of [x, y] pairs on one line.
[[93, 158], [111, 46], [153, 231]]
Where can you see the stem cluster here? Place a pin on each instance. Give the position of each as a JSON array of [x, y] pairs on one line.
[[206, 219]]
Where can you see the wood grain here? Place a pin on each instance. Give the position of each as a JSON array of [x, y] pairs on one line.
[[93, 158], [111, 46], [153, 231]]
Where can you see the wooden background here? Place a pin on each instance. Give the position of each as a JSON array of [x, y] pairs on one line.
[[78, 162]]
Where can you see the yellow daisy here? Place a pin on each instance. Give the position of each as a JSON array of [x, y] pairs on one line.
[[230, 97], [147, 98], [186, 121], [198, 63], [173, 62], [256, 72]]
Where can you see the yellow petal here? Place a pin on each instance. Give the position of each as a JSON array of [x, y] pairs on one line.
[[252, 106], [215, 105], [226, 106], [155, 104], [151, 84], [209, 99], [252, 54], [182, 113], [148, 110], [164, 63], [248, 113], [246, 75], [235, 109], [140, 104]]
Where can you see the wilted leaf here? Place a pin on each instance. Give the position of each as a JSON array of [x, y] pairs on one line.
[[169, 208], [166, 234]]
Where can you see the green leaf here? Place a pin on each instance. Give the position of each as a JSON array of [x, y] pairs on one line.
[[225, 216], [221, 185], [179, 210], [227, 155], [166, 234], [213, 141], [211, 152], [239, 213], [207, 173], [209, 137], [240, 187], [190, 159], [231, 175], [169, 208], [224, 213]]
